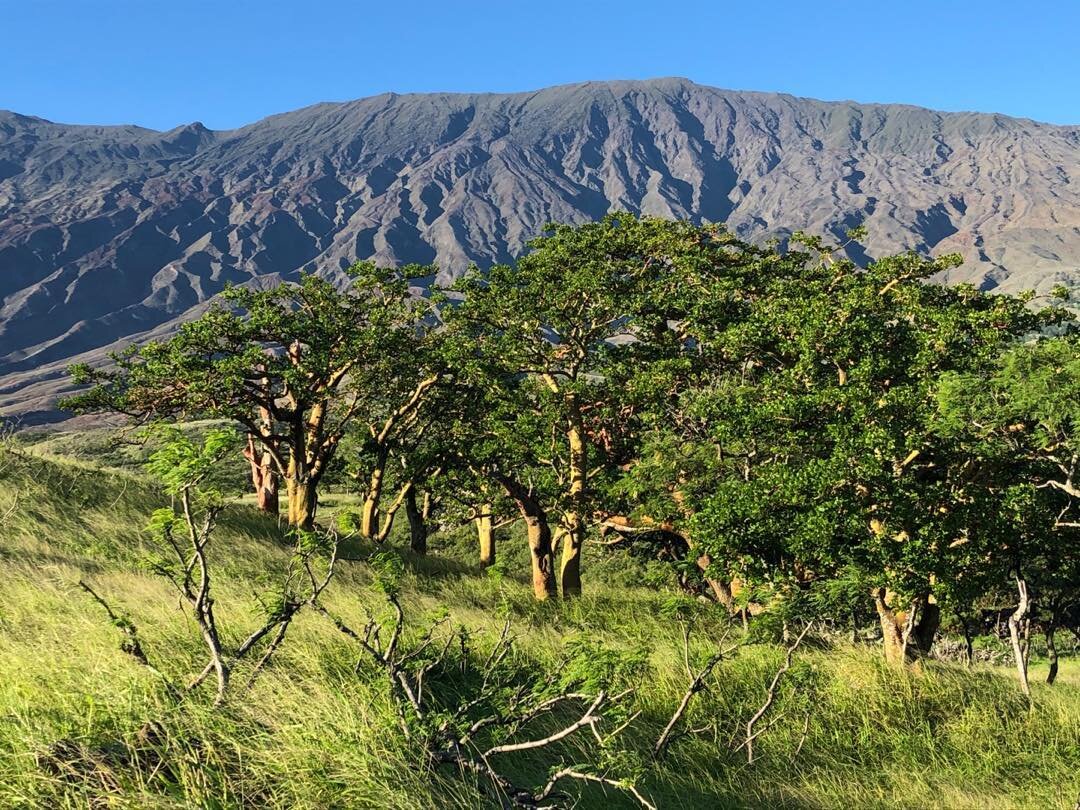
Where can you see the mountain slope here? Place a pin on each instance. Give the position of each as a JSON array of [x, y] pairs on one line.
[[107, 233]]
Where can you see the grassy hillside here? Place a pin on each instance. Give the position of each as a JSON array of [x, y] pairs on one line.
[[316, 732]]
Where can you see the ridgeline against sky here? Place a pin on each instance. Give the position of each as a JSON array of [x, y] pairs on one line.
[[160, 65]]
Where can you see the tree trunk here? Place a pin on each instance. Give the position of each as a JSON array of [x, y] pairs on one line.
[[906, 635], [369, 513], [1027, 642], [1051, 652], [969, 642], [538, 532], [891, 630], [925, 630], [418, 532], [485, 533], [262, 476], [573, 535], [543, 560], [570, 565], [721, 590], [1017, 621], [267, 493], [302, 501]]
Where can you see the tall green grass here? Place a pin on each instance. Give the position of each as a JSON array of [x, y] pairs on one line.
[[314, 733]]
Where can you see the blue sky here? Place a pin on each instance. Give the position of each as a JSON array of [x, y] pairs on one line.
[[161, 63]]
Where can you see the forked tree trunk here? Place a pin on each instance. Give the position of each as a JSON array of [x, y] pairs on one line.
[[263, 478], [485, 533], [1017, 626], [906, 635], [418, 532]]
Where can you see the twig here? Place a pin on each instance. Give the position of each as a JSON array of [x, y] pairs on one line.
[[14, 506], [586, 719], [805, 733], [270, 650], [131, 644], [751, 735], [696, 685], [570, 773]]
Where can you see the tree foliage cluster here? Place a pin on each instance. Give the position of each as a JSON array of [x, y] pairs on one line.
[[798, 435]]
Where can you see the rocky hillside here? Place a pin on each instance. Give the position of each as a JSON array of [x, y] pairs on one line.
[[110, 233]]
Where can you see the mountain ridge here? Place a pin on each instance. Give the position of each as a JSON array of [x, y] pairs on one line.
[[393, 94], [114, 233]]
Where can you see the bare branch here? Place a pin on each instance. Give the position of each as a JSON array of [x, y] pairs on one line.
[[570, 773], [696, 685], [131, 644], [586, 719], [770, 697]]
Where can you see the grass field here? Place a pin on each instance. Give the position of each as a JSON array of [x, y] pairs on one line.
[[313, 732]]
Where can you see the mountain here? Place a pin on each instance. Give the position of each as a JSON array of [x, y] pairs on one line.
[[109, 234]]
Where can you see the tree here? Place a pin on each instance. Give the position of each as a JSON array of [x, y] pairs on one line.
[[804, 450], [183, 535], [295, 365], [394, 445], [482, 447], [554, 341], [1021, 420]]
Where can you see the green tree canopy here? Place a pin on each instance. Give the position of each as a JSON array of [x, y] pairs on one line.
[[560, 346], [803, 449], [296, 365]]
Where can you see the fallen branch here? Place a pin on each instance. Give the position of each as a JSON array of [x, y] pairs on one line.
[[282, 619], [454, 741], [588, 719], [14, 506]]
